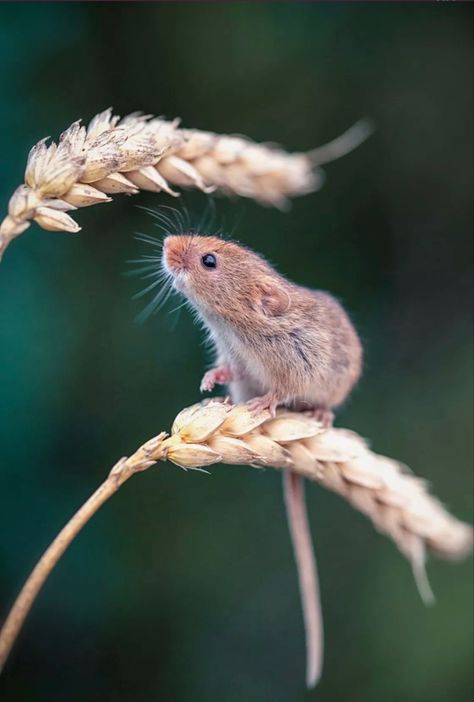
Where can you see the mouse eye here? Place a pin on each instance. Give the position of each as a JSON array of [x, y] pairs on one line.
[[209, 261]]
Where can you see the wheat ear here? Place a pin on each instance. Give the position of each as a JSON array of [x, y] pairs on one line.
[[396, 501], [138, 152]]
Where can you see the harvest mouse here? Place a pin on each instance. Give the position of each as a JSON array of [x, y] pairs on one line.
[[276, 343]]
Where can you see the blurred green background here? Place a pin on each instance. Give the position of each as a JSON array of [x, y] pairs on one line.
[[183, 588]]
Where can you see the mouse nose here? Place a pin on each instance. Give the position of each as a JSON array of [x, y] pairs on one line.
[[171, 242], [173, 253]]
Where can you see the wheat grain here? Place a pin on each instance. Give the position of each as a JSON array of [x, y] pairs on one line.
[[397, 502], [139, 152]]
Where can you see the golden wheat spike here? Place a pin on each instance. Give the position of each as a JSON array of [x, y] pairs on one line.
[[397, 502], [140, 152]]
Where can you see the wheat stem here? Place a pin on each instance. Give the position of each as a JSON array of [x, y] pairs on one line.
[[396, 501], [45, 565], [122, 471], [113, 156]]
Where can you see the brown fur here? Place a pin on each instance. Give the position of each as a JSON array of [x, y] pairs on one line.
[[277, 337]]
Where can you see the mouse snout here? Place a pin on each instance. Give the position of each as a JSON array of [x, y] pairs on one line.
[[174, 254]]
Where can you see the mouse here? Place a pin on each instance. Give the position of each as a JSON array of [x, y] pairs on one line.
[[276, 344]]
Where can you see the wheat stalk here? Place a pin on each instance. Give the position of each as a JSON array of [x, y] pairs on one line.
[[397, 502], [138, 152]]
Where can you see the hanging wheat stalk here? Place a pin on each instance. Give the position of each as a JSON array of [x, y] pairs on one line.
[[138, 152], [397, 502]]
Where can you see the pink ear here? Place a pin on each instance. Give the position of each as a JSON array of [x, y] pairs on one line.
[[274, 298]]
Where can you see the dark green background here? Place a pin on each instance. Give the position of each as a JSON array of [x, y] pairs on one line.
[[183, 588]]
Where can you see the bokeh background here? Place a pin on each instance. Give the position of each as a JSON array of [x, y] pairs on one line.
[[183, 587]]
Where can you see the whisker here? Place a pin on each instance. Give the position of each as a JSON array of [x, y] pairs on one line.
[[165, 228], [155, 212], [153, 273], [164, 222], [147, 239], [163, 298], [176, 309], [209, 216], [154, 305], [138, 272], [179, 218], [175, 320], [148, 269], [152, 211], [143, 292], [144, 258]]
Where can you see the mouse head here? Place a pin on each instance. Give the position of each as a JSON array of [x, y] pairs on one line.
[[223, 278]]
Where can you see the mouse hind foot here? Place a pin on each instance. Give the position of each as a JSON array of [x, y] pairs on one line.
[[323, 415], [269, 401]]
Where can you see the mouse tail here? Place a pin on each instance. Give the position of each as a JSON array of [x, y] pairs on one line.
[[293, 486]]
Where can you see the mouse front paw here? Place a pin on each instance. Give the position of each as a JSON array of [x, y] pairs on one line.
[[216, 376]]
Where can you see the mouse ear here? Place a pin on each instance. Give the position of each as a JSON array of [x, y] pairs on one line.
[[274, 299]]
